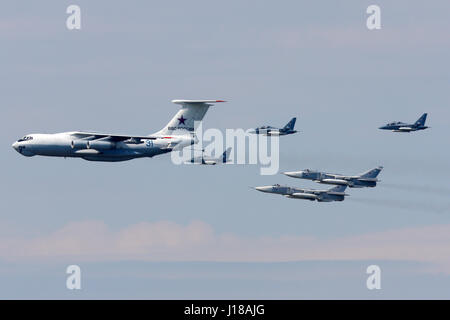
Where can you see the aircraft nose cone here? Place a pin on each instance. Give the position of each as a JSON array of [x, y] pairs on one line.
[[262, 189], [15, 145], [291, 174]]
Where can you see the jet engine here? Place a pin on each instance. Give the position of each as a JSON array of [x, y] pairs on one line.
[[79, 144], [100, 145]]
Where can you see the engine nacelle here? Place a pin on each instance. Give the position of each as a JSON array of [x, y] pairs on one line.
[[100, 145], [79, 144]]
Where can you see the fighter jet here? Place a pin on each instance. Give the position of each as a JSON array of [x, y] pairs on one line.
[[272, 131], [405, 127], [211, 161], [334, 194], [94, 146], [366, 179]]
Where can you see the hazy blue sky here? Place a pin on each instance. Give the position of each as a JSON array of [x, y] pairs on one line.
[[147, 228]]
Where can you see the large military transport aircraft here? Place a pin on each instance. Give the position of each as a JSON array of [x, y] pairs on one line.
[[94, 146]]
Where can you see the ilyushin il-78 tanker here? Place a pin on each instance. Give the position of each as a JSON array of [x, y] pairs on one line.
[[94, 146]]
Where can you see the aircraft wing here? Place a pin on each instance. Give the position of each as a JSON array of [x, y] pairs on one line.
[[109, 137]]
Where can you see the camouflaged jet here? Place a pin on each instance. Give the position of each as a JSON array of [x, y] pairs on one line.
[[405, 127], [272, 131], [366, 179], [95, 146], [334, 194], [224, 158]]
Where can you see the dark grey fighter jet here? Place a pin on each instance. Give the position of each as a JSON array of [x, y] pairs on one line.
[[366, 179], [334, 194], [272, 131], [406, 127]]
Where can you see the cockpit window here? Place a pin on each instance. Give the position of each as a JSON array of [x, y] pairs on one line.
[[26, 138]]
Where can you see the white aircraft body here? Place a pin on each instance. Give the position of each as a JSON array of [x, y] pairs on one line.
[[94, 146]]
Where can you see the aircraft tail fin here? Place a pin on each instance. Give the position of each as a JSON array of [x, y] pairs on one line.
[[371, 174], [290, 125], [187, 119], [226, 155], [339, 188], [421, 120]]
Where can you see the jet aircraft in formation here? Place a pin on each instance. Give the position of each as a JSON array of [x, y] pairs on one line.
[[272, 131], [210, 160], [366, 179], [94, 146], [406, 127], [179, 133], [334, 194]]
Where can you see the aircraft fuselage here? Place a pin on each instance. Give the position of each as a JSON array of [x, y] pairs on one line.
[[334, 179], [304, 194], [67, 145]]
